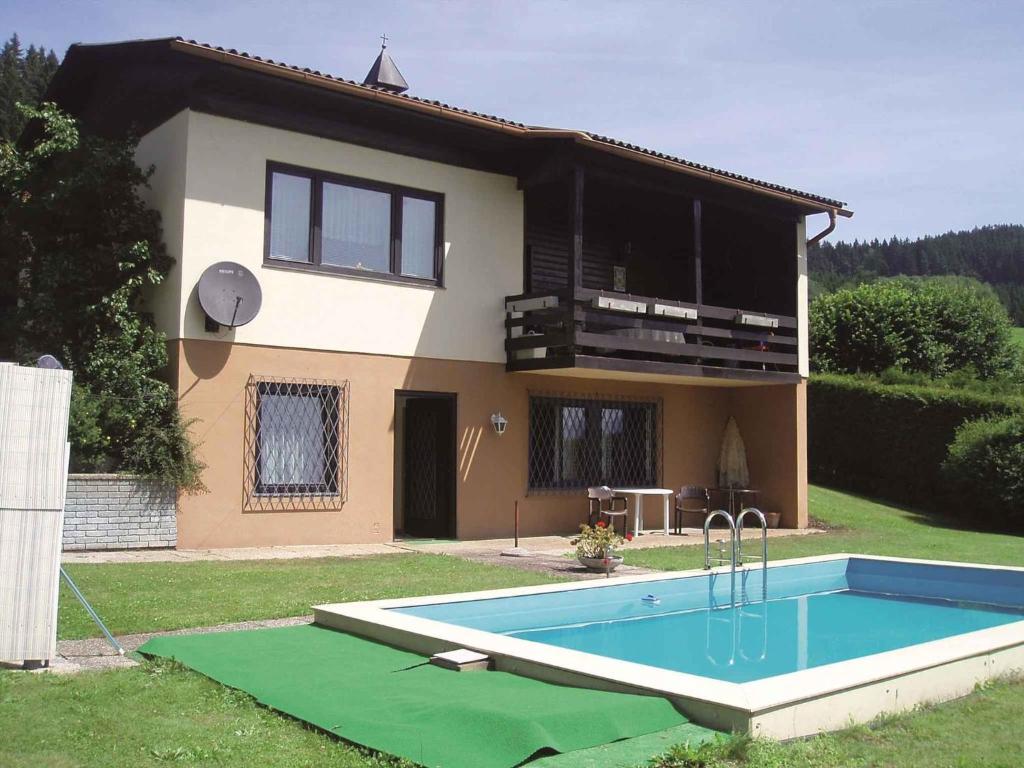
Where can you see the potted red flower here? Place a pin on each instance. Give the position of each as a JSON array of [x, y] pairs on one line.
[[595, 547]]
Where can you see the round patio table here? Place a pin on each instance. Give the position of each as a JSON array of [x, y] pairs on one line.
[[736, 494]]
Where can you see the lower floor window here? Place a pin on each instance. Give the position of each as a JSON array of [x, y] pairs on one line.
[[575, 443], [296, 434]]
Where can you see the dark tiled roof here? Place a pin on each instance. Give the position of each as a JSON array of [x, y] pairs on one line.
[[318, 73], [502, 121], [718, 171]]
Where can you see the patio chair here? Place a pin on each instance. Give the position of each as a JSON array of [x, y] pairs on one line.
[[693, 500], [603, 504]]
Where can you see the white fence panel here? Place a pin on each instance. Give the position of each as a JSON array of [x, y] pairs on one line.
[[34, 404]]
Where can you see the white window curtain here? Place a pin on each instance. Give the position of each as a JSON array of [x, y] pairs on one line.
[[356, 228], [418, 222], [291, 435], [611, 438], [289, 217]]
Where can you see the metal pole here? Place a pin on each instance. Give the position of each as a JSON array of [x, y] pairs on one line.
[[516, 551], [95, 617]]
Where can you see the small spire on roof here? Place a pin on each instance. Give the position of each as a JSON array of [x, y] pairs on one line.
[[384, 73]]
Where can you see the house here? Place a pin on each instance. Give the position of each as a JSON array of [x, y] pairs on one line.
[[430, 277]]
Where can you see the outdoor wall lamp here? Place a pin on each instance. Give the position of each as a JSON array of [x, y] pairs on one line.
[[499, 423]]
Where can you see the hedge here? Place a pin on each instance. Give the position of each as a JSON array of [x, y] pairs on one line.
[[890, 441], [986, 466]]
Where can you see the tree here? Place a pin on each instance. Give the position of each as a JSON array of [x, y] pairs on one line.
[[985, 466], [993, 254], [24, 78], [12, 90], [932, 326], [78, 249]]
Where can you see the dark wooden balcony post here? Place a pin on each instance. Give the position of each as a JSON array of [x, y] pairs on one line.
[[575, 271], [698, 256], [576, 231]]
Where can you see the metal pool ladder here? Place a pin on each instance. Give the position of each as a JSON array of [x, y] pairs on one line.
[[740, 556], [721, 559], [720, 615], [752, 614], [734, 618]]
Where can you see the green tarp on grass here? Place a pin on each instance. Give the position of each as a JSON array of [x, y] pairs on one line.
[[393, 701]]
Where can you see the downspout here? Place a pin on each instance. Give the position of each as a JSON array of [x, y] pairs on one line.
[[826, 231]]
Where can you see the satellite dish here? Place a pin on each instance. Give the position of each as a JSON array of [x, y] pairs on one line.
[[229, 294], [50, 362]]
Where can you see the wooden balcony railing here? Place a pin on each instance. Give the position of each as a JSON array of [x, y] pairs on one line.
[[625, 332]]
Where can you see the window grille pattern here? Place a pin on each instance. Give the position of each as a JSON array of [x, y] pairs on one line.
[[577, 442], [296, 444]]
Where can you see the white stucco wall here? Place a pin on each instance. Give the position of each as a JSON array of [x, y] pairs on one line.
[[164, 148], [224, 180]]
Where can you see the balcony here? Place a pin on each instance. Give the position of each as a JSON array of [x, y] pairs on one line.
[[641, 278], [603, 330]]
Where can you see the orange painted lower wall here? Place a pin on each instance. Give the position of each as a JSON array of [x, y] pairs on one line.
[[491, 470], [773, 422]]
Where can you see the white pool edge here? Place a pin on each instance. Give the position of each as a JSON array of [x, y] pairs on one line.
[[786, 706]]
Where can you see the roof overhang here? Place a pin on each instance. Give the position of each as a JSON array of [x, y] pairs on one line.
[[102, 59]]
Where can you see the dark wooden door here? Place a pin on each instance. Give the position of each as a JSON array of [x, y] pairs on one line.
[[428, 467]]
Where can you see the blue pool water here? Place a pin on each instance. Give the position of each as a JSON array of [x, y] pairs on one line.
[[806, 616]]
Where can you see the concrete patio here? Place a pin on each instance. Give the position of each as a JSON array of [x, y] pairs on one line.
[[490, 549], [551, 554], [648, 539]]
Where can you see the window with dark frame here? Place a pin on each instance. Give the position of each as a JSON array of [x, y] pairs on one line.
[[577, 443], [344, 225], [296, 443]]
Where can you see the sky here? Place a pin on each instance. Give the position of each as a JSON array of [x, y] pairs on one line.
[[911, 112]]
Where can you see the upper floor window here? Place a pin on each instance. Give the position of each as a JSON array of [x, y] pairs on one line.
[[353, 226]]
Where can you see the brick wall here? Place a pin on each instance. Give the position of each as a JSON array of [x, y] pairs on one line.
[[118, 512]]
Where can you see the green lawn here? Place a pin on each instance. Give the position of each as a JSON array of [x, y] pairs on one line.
[[161, 713], [865, 527], [157, 714], [1017, 334], [145, 597], [972, 732]]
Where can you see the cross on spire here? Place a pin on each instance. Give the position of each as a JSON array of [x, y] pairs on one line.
[[384, 74]]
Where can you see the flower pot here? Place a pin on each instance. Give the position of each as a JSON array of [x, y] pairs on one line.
[[601, 564], [772, 519], [534, 353]]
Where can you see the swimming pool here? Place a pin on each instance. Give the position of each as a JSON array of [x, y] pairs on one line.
[[803, 645]]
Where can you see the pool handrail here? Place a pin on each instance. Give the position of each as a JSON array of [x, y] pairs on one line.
[[707, 540], [764, 538]]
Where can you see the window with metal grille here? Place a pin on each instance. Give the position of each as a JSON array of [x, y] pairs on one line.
[[296, 438], [578, 442]]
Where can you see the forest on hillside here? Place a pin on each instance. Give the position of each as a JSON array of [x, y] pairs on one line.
[[24, 75], [992, 254]]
